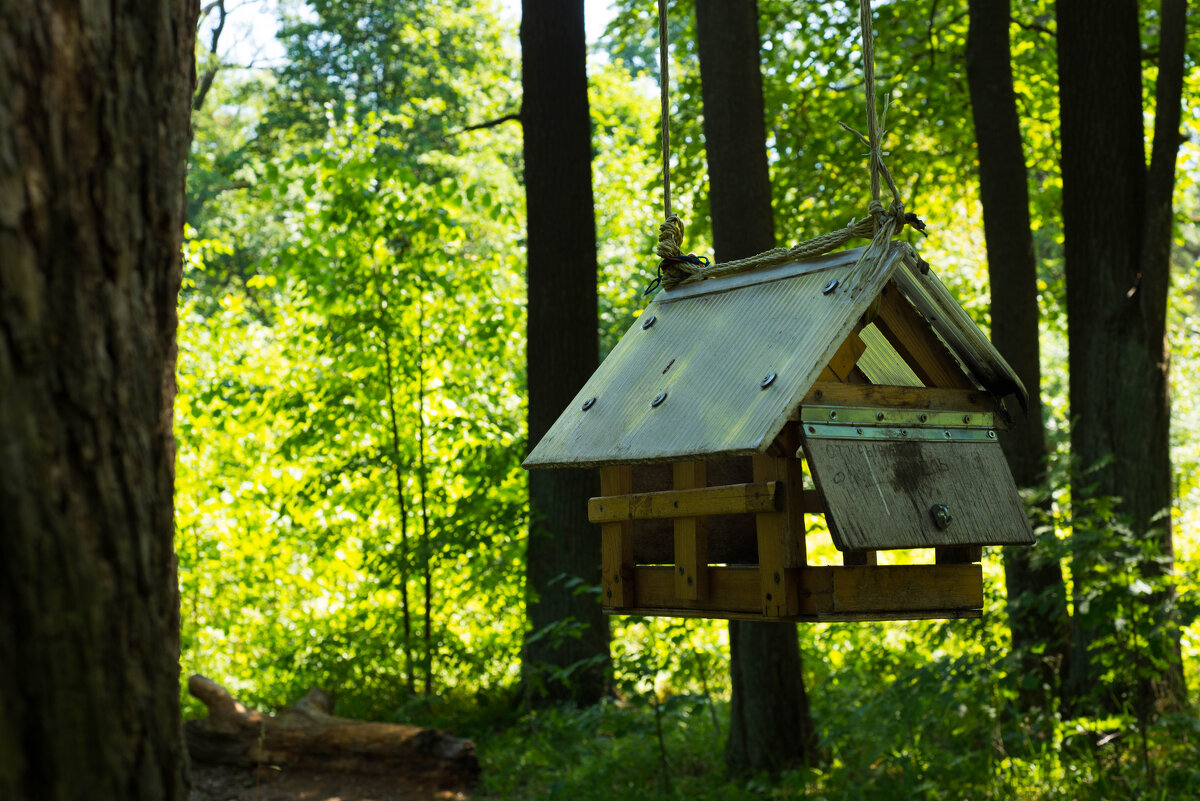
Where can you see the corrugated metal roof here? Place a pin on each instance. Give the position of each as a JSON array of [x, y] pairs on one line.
[[711, 345], [957, 330]]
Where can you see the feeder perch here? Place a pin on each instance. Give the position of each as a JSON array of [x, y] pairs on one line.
[[722, 397]]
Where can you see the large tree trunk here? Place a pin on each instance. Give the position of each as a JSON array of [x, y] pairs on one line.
[[563, 351], [94, 102], [770, 725], [1117, 222], [1037, 596]]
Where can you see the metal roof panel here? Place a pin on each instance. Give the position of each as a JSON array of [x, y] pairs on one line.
[[708, 351]]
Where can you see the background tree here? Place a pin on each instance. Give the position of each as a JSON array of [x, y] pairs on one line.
[[94, 132], [1037, 596], [1118, 219], [769, 725], [566, 654]]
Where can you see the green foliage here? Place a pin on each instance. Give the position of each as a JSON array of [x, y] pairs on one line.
[[350, 414]]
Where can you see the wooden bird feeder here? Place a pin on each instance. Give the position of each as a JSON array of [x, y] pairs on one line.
[[726, 394]]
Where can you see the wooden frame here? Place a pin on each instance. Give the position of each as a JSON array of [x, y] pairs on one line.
[[782, 586]]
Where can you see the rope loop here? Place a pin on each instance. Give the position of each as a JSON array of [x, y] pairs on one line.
[[880, 224]]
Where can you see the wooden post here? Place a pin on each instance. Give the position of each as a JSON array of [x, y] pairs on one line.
[[780, 535], [691, 540], [616, 541]]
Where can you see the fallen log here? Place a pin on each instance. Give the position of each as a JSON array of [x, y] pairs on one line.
[[307, 735]]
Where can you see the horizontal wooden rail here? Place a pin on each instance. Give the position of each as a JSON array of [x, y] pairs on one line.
[[885, 592], [730, 499]]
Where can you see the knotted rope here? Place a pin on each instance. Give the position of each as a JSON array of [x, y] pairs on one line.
[[880, 224]]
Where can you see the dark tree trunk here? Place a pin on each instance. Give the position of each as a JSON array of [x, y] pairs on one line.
[[1117, 220], [563, 350], [94, 101], [770, 725], [1037, 596]]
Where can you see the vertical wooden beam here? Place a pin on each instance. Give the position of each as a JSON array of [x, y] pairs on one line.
[[957, 554], [780, 535], [691, 538], [860, 558], [616, 541]]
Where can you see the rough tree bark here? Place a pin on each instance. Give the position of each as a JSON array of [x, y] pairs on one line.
[[94, 101], [1117, 219], [770, 725], [1037, 595], [563, 350]]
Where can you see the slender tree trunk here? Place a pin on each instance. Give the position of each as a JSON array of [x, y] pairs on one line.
[[1037, 596], [563, 350], [94, 101], [385, 326], [1117, 219], [770, 724], [423, 501]]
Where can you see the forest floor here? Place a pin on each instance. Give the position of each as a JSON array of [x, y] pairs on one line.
[[224, 783]]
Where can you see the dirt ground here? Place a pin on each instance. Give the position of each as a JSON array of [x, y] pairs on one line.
[[219, 783]]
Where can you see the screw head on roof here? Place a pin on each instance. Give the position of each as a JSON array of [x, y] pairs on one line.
[[658, 399], [649, 321], [767, 381], [589, 403], [829, 287]]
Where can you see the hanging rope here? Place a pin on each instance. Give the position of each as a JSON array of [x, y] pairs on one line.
[[879, 224]]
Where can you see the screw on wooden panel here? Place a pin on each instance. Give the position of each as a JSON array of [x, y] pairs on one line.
[[768, 596], [923, 417], [589, 403], [648, 322], [941, 515], [681, 571], [833, 415], [991, 435], [777, 579], [878, 415], [966, 418], [690, 582], [946, 434], [609, 591], [767, 381], [812, 430], [658, 399], [858, 431], [829, 287]]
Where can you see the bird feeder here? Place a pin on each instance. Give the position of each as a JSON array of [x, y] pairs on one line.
[[735, 407]]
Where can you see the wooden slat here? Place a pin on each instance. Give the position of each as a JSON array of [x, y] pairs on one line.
[[780, 534], [820, 617], [691, 539], [934, 398], [616, 542], [730, 590], [893, 592], [891, 588], [728, 499], [842, 363], [915, 340], [879, 493]]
